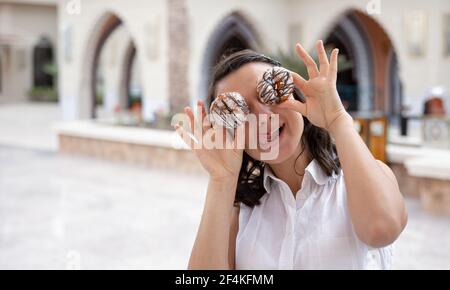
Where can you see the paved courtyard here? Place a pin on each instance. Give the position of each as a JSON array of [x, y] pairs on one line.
[[29, 125], [62, 212], [66, 212]]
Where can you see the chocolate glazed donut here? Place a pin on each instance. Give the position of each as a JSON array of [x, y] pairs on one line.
[[276, 86], [229, 110]]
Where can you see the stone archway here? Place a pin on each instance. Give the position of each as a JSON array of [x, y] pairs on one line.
[[96, 63], [232, 34], [108, 25], [374, 76], [126, 97], [104, 27], [354, 85], [395, 88]]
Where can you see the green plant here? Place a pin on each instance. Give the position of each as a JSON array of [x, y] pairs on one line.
[[51, 69], [43, 94], [46, 94], [99, 98]]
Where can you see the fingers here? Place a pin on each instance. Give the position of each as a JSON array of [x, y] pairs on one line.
[[187, 138], [334, 65], [299, 81], [295, 105], [201, 109], [199, 121], [311, 65], [190, 114], [206, 124], [199, 125], [323, 59]]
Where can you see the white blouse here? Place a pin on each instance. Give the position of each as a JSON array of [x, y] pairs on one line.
[[311, 231]]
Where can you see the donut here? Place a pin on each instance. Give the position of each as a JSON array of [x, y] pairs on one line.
[[276, 86], [229, 110]]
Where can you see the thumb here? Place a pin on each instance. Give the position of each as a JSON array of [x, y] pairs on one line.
[[295, 105]]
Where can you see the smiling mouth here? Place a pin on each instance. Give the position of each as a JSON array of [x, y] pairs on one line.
[[269, 138]]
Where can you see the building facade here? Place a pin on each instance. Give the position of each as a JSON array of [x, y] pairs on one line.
[[397, 47], [28, 42]]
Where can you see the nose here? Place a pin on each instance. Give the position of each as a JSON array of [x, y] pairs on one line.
[[263, 109], [265, 114]]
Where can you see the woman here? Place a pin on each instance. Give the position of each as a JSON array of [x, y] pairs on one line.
[[323, 203]]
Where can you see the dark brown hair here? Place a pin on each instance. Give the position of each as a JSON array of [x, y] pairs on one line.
[[250, 187]]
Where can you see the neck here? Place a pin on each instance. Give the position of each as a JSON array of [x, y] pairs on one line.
[[292, 170]]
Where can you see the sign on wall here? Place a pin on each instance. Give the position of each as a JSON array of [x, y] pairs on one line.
[[416, 32]]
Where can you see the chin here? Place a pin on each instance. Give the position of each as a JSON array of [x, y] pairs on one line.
[[285, 153], [279, 153]]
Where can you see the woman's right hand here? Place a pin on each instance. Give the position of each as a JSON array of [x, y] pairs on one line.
[[221, 164]]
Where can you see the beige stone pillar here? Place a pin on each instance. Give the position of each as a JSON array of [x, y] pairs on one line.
[[178, 29]]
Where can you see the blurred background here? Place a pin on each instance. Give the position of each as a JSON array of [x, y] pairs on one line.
[[91, 174]]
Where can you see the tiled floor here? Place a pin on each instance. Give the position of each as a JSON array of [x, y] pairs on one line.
[[70, 212], [59, 212], [29, 125], [65, 212]]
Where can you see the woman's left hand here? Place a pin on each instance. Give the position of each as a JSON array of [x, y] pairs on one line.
[[323, 105], [375, 204]]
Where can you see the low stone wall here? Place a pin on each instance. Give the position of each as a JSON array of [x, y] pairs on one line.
[[435, 195], [409, 185], [146, 155], [433, 174], [433, 192]]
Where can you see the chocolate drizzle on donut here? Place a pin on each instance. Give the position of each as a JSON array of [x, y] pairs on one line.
[[276, 86], [229, 110]]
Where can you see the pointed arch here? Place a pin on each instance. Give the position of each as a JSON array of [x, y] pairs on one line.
[[233, 33], [104, 27], [375, 72]]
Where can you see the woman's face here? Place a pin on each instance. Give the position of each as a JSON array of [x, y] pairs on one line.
[[284, 139]]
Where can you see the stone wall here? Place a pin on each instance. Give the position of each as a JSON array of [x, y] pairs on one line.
[[409, 185], [145, 155], [434, 193]]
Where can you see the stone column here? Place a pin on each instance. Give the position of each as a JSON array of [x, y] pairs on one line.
[[178, 29]]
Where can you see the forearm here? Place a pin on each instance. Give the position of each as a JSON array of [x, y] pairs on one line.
[[211, 246], [375, 203]]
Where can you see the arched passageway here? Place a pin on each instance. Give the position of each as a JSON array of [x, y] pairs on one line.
[[233, 33]]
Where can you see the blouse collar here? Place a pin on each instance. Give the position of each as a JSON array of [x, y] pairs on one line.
[[313, 170]]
